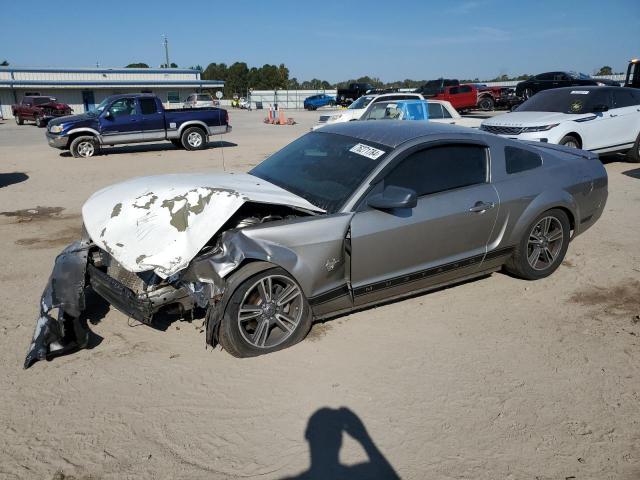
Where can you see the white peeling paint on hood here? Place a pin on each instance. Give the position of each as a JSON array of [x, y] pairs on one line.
[[161, 222]]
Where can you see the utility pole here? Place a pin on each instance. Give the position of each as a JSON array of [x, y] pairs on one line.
[[166, 50]]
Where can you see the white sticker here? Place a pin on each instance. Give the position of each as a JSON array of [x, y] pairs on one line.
[[366, 151], [579, 92]]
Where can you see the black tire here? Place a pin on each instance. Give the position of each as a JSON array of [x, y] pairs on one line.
[[235, 339], [177, 143], [38, 121], [520, 264], [486, 103], [193, 138], [570, 141], [19, 120], [84, 146], [633, 155]]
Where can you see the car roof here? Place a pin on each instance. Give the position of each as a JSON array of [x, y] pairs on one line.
[[586, 88], [128, 95], [394, 132]]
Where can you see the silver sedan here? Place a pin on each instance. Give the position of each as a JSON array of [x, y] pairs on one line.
[[350, 216]]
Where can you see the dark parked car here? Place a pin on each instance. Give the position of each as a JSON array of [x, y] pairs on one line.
[[346, 96], [39, 109], [316, 101], [136, 118], [545, 81], [352, 215]]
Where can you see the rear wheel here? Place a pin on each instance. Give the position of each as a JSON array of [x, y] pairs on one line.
[[569, 141], [193, 138], [633, 155], [486, 103], [84, 147], [39, 121], [266, 313], [542, 247]]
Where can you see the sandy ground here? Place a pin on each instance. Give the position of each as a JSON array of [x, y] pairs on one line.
[[496, 378]]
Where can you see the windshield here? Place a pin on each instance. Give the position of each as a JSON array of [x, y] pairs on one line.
[[323, 168], [579, 76], [42, 100], [103, 105], [203, 98], [360, 103], [572, 101]]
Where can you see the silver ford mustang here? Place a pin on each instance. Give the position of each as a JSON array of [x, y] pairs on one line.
[[343, 218]]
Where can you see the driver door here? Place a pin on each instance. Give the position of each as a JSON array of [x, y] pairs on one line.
[[444, 237], [121, 122]]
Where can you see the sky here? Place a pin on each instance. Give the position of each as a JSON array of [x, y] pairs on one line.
[[330, 40]]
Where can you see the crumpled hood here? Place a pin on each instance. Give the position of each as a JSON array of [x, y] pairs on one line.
[[532, 119], [160, 223]]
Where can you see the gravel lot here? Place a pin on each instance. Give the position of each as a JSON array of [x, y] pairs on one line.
[[496, 378]]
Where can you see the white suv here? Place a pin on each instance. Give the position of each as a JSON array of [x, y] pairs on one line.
[[199, 100]]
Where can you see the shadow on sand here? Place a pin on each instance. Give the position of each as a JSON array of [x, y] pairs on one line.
[[324, 433], [151, 147]]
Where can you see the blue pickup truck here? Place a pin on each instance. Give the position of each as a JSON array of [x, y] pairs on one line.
[[135, 118]]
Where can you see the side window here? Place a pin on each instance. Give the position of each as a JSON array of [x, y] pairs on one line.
[[465, 89], [519, 160], [148, 106], [435, 111], [544, 76], [445, 113], [623, 98], [454, 90], [123, 107], [27, 101], [441, 168]]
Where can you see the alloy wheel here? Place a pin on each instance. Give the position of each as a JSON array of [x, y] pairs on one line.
[[86, 149], [545, 243], [194, 139], [270, 311]]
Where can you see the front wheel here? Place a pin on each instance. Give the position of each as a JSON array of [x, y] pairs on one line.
[[19, 120], [569, 141], [84, 147], [633, 155], [542, 247], [486, 103], [266, 313], [39, 122], [194, 138]]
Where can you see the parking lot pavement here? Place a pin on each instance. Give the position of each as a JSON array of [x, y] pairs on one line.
[[495, 378]]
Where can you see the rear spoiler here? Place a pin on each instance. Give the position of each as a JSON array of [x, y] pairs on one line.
[[561, 148]]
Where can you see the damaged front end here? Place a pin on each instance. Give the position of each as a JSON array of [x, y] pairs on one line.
[[59, 328]]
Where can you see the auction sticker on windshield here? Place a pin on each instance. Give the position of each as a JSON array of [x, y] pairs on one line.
[[367, 151]]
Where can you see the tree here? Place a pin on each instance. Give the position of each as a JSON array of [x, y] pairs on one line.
[[173, 65], [137, 65], [606, 70], [197, 67], [4, 63]]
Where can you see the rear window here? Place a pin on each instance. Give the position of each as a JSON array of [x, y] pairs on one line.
[[204, 98], [148, 106], [574, 100], [520, 160]]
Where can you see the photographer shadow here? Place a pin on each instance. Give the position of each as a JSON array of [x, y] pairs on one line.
[[324, 434]]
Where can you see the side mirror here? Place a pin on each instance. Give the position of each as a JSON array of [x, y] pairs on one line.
[[393, 197], [108, 115], [600, 108]]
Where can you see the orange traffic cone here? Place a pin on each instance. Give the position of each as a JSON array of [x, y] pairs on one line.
[[270, 117], [282, 120]]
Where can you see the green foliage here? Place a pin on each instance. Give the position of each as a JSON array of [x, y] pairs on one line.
[[4, 63], [137, 65], [173, 65], [606, 70]]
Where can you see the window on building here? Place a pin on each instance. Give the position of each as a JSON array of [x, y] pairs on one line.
[[173, 97], [441, 168], [519, 160]]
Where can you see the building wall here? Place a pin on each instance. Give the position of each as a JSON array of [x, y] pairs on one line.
[[97, 75], [74, 98]]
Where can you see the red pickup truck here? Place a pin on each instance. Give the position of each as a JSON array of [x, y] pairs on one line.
[[474, 96], [39, 109]]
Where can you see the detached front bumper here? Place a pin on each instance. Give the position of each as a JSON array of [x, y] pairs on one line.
[[57, 141]]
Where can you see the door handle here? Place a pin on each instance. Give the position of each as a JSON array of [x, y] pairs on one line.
[[481, 207]]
